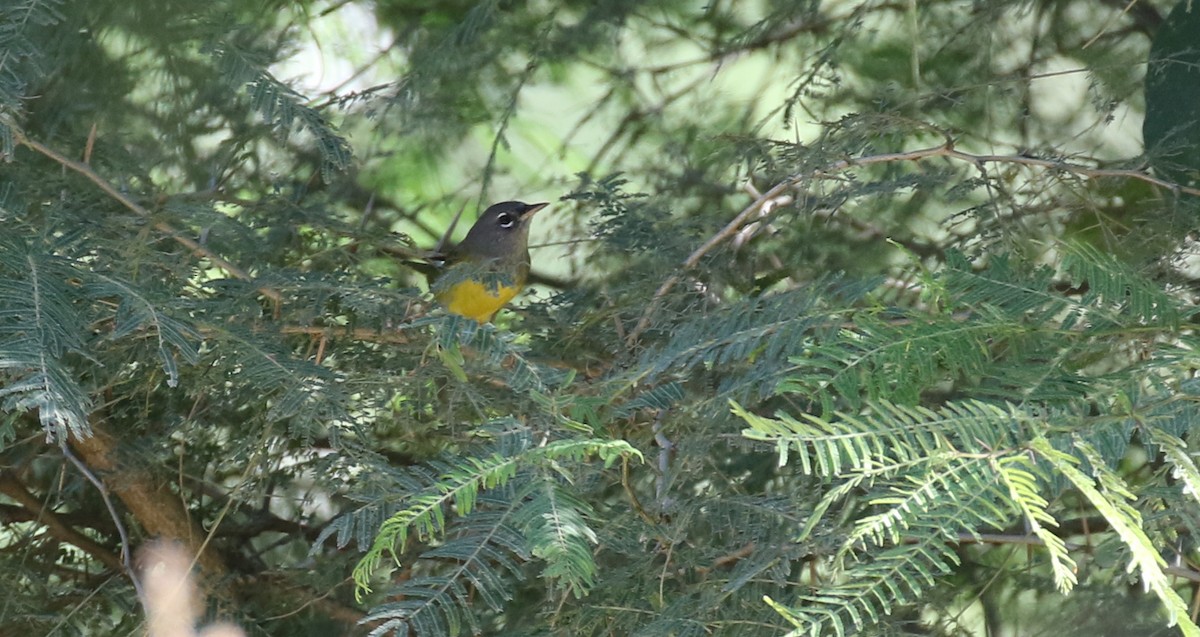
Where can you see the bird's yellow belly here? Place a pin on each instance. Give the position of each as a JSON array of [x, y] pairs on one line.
[[475, 301]]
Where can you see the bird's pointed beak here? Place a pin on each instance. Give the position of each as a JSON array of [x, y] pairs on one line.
[[531, 209]]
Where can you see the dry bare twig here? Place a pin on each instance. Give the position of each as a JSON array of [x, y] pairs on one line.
[[947, 150]]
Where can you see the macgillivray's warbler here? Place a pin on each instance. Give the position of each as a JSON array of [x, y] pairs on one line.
[[490, 265]]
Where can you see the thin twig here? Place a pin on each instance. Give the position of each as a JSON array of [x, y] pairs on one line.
[[944, 150], [366, 334], [126, 554], [633, 498], [1033, 541], [729, 230], [161, 226]]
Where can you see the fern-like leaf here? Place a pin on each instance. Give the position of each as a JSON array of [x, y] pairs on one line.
[[559, 535], [136, 312], [1111, 498], [424, 513], [39, 328], [887, 434], [280, 105], [1020, 475], [485, 555]]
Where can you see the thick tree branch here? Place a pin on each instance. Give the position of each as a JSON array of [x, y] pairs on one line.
[[13, 488], [148, 498]]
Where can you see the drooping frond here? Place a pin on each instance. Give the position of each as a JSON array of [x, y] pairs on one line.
[[890, 578], [921, 493], [483, 558], [555, 521], [39, 330], [1116, 294], [903, 546], [886, 438], [424, 513], [457, 486], [1024, 480], [136, 313], [278, 104], [1111, 497]]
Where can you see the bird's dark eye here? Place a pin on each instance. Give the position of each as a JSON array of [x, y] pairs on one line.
[[505, 220]]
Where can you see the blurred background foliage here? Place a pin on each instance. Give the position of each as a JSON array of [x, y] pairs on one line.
[[847, 318]]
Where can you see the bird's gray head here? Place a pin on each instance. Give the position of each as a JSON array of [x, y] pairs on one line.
[[500, 234]]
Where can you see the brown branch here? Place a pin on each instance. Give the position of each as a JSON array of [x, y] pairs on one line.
[[729, 559], [148, 498], [12, 487], [368, 334], [272, 586], [162, 226], [10, 513], [946, 150]]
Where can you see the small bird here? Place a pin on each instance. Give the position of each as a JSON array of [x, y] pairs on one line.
[[489, 267]]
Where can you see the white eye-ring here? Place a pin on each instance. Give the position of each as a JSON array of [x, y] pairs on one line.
[[505, 220]]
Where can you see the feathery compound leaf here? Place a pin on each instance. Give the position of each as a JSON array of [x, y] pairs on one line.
[[871, 589], [1118, 294], [880, 360], [913, 501], [886, 435], [1020, 293], [1112, 500], [885, 572], [578, 450], [1183, 468], [555, 521], [306, 395], [424, 513], [484, 557], [39, 327], [1020, 476], [920, 490], [136, 312], [279, 104], [459, 485], [485, 545], [659, 397]]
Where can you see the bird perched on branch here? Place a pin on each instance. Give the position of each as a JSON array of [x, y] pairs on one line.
[[489, 267]]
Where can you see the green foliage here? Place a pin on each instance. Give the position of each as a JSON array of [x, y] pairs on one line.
[[281, 107], [1172, 92], [1112, 501], [423, 513], [18, 36], [40, 329], [847, 318], [925, 478]]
